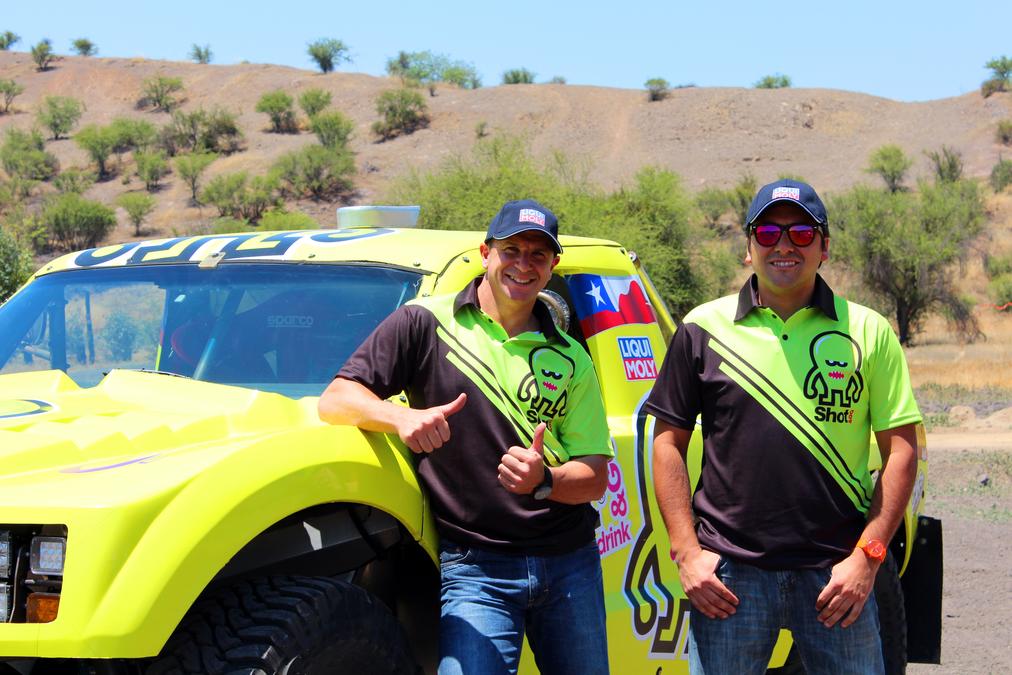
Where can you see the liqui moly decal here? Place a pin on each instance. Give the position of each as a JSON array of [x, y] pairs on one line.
[[637, 358]]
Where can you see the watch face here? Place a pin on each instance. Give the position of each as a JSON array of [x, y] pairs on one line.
[[875, 549], [542, 491]]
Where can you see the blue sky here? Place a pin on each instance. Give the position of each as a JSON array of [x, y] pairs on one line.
[[904, 50]]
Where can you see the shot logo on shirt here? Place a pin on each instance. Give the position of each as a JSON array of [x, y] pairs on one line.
[[834, 381], [637, 358], [544, 389]]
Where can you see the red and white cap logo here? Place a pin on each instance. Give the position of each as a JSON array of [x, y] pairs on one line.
[[531, 216], [786, 193]]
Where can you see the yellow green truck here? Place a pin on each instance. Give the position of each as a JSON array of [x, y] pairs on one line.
[[170, 502]]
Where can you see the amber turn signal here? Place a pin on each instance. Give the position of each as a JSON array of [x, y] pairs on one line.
[[42, 607]]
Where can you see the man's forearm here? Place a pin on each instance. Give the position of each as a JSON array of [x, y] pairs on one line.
[[348, 402], [579, 480], [898, 448], [671, 486]]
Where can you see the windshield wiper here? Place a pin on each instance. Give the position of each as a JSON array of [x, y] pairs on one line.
[[151, 370]]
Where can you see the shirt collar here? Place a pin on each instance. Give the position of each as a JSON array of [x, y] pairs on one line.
[[822, 298], [469, 296]]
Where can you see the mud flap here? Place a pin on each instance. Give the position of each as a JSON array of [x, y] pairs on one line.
[[922, 593]]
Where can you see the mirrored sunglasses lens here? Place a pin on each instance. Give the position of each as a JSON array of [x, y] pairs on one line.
[[802, 235], [767, 235]]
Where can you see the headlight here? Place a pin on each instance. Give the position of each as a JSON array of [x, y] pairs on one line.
[[5, 554], [48, 554]]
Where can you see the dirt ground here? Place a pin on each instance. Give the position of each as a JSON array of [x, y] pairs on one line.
[[970, 489]]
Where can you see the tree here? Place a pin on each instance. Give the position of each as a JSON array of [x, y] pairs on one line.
[[8, 39], [238, 196], [313, 101], [138, 205], [191, 167], [99, 143], [740, 197], [159, 93], [42, 54], [518, 76], [23, 155], [202, 55], [132, 134], [776, 81], [15, 265], [557, 79], [278, 106], [332, 129], [84, 47], [1001, 76], [907, 249], [74, 180], [74, 222], [151, 168], [427, 68], [947, 163], [658, 89], [59, 114], [712, 204], [328, 53], [9, 90], [315, 171], [403, 111], [891, 165]]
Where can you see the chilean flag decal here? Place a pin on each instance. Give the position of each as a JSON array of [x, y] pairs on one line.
[[605, 302]]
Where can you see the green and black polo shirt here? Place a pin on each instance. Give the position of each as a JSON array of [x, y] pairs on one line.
[[435, 348], [787, 409]]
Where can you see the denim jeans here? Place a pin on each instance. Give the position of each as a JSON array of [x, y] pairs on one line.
[[769, 601], [489, 600]]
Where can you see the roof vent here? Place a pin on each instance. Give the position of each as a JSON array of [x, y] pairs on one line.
[[377, 216]]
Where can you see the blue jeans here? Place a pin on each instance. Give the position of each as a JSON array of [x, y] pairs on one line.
[[769, 601], [489, 600]]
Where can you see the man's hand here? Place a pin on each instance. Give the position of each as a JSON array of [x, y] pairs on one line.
[[697, 571], [522, 469], [425, 429], [849, 586]]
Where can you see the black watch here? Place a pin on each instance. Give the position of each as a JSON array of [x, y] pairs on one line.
[[545, 489]]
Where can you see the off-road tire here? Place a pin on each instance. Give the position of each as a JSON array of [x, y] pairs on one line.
[[286, 626], [892, 617]]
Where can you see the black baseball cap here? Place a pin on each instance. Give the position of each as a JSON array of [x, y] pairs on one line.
[[523, 215], [787, 190]]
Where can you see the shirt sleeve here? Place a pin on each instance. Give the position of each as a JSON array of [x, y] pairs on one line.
[[891, 396], [675, 398], [584, 429], [383, 363]]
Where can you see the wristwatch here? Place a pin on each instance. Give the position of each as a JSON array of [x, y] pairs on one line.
[[542, 491], [873, 548]]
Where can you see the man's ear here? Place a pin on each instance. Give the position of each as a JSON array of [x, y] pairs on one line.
[[748, 251], [555, 262], [484, 249], [825, 249]]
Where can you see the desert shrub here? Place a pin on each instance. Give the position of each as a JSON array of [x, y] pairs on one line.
[[278, 106], [15, 265], [26, 226], [776, 81], [84, 47], [712, 204], [74, 222], [518, 76], [42, 54], [99, 142], [740, 197], [138, 206], [159, 93], [1001, 175], [333, 129], [238, 196], [223, 192], [947, 164], [427, 68], [403, 111], [658, 89], [200, 54], [313, 101], [23, 155], [8, 39], [59, 114], [131, 134], [229, 225], [481, 129], [119, 336], [190, 167], [889, 163], [557, 79], [1001, 76], [462, 75], [9, 90], [315, 171], [1000, 290], [997, 265], [216, 130], [220, 132], [151, 168], [1003, 133], [328, 53], [288, 220], [74, 180]]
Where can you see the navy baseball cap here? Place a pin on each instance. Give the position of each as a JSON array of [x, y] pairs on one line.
[[523, 215], [787, 190]]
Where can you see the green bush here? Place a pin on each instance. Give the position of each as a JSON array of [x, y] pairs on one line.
[[776, 81], [74, 180], [84, 47], [9, 90], [333, 129], [159, 93], [99, 143], [427, 68], [130, 134], [947, 164], [1000, 290], [1001, 76], [7, 40], [74, 222], [403, 112], [42, 54], [238, 196], [557, 79], [740, 197], [997, 265], [891, 165], [216, 130], [288, 220], [1003, 133], [138, 206], [15, 265], [23, 155], [190, 167], [26, 227], [278, 106], [328, 53], [313, 101], [518, 76], [220, 132], [59, 114], [315, 171], [1001, 175], [151, 168], [200, 54], [712, 204], [658, 89]]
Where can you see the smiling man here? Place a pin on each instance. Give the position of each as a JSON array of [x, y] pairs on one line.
[[509, 433], [786, 528]]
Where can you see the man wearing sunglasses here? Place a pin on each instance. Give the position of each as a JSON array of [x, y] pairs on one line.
[[786, 528]]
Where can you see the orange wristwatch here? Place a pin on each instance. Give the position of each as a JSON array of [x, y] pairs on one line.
[[873, 548]]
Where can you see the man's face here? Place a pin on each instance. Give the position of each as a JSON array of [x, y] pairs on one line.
[[784, 266], [519, 267]]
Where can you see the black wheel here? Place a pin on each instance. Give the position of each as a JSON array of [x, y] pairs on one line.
[[892, 617], [286, 626]]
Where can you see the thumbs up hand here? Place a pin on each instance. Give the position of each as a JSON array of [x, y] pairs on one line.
[[522, 469], [425, 429]]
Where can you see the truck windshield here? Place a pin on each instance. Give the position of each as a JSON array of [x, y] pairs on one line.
[[282, 328]]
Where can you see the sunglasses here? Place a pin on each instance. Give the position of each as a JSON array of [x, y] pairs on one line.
[[768, 234]]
